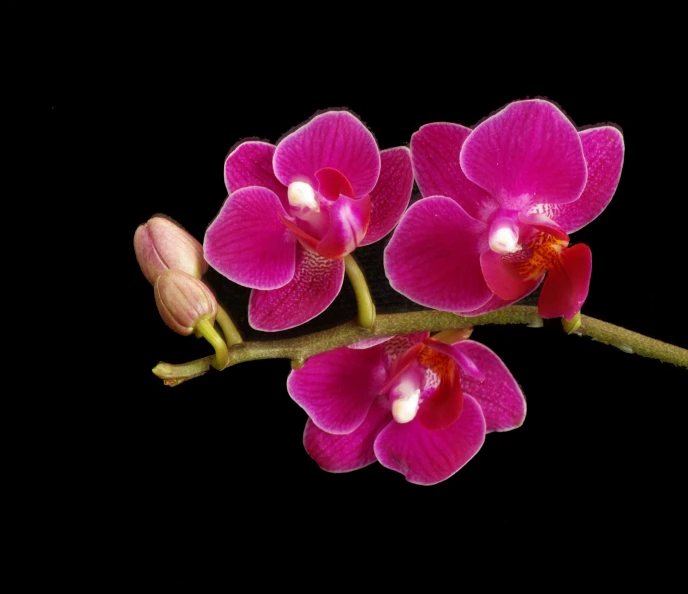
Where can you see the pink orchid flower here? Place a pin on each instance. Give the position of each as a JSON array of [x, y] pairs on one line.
[[417, 405], [499, 203], [295, 210]]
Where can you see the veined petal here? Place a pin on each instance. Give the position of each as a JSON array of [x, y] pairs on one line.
[[443, 403], [351, 451], [428, 457], [498, 395], [529, 152], [316, 283], [464, 361], [250, 164], [435, 150], [248, 243], [391, 194], [349, 220], [604, 152], [337, 388], [503, 279], [566, 288], [493, 304], [433, 257], [335, 139]]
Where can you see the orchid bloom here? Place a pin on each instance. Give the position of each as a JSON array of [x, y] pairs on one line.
[[296, 210], [418, 405], [499, 203]]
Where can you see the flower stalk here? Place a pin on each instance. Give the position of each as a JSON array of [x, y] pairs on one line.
[[299, 349], [364, 301]]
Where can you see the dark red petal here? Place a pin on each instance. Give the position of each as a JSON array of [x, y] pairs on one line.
[[566, 287], [332, 183], [441, 409]]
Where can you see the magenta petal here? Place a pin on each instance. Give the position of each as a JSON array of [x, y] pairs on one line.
[[250, 164], [493, 304], [499, 396], [336, 388], [566, 287], [391, 194], [335, 139], [332, 183], [316, 283], [428, 457], [433, 257], [604, 152], [349, 220], [465, 363], [248, 243], [527, 153], [435, 151], [501, 276], [351, 451]]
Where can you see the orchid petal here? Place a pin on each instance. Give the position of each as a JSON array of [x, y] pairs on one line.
[[433, 257], [316, 283], [499, 395], [604, 152], [529, 152], [566, 287], [335, 139], [435, 150], [332, 183], [349, 220], [443, 403], [493, 304], [337, 388], [466, 364], [391, 194], [250, 164], [428, 457], [503, 279], [248, 243], [351, 451]]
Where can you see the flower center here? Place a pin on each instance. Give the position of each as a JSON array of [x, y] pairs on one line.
[[406, 403], [302, 195], [504, 237], [543, 253]]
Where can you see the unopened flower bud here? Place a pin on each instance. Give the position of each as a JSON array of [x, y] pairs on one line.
[[161, 244], [183, 301]]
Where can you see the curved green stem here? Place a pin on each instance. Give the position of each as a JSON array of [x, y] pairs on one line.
[[207, 331], [299, 349], [229, 330], [366, 307]]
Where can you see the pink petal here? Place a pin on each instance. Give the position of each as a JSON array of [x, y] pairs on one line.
[[349, 220], [332, 183], [351, 451], [503, 279], [250, 164], [435, 151], [316, 283], [433, 257], [391, 194], [466, 364], [566, 288], [493, 304], [335, 139], [248, 243], [336, 388], [527, 153], [443, 406], [604, 152], [428, 457], [499, 396]]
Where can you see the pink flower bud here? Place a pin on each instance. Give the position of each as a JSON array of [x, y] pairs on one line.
[[162, 245], [183, 301]]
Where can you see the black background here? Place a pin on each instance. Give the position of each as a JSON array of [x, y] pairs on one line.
[[149, 134]]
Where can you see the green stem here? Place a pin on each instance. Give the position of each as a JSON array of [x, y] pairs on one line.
[[366, 307], [299, 349], [207, 331], [232, 335]]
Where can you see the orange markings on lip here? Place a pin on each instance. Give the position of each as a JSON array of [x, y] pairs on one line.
[[545, 254]]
